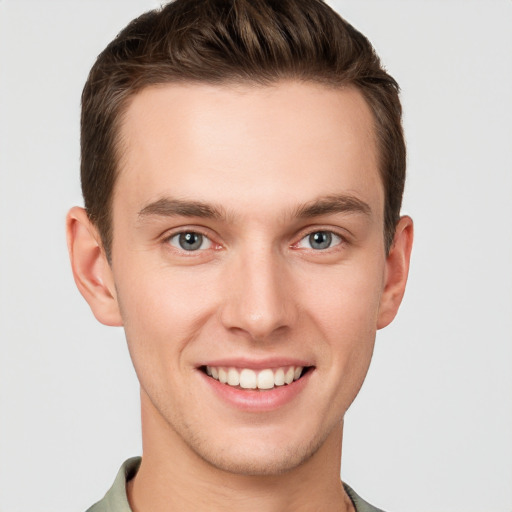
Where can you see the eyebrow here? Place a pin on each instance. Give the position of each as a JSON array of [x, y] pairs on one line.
[[331, 204], [336, 203], [167, 207]]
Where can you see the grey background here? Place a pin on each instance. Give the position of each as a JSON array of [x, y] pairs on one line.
[[432, 428]]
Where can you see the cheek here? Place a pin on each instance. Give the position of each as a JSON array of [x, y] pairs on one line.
[[347, 298], [158, 324], [345, 311], [162, 309], [348, 317]]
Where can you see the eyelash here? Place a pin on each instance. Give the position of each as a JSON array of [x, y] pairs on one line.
[[333, 237], [168, 239]]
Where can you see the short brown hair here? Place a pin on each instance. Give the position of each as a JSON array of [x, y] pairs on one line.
[[225, 41]]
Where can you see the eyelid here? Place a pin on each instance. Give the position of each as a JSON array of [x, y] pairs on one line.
[[305, 233], [206, 233], [204, 239]]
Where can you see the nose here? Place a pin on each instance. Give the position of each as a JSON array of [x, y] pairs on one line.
[[259, 299]]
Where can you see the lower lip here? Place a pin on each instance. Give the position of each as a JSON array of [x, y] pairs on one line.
[[257, 401]]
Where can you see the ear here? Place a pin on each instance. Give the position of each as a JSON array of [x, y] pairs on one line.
[[91, 270], [397, 270]]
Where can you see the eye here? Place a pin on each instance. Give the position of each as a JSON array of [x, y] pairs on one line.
[[320, 240], [190, 241]]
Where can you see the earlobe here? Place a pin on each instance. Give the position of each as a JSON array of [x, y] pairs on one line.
[[397, 270], [91, 270]]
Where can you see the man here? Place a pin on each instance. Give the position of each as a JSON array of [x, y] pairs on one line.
[[243, 166]]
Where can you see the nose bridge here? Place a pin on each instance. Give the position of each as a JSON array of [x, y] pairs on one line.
[[258, 299]]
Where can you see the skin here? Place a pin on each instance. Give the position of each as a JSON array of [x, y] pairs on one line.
[[269, 165]]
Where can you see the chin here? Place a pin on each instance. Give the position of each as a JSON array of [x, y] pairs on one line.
[[263, 458]]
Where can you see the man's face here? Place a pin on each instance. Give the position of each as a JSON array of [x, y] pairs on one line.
[[248, 243]]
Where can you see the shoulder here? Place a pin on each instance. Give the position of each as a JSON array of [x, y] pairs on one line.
[[116, 500], [359, 504]]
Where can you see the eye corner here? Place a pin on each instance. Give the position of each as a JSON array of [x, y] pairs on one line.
[[319, 240], [189, 241]]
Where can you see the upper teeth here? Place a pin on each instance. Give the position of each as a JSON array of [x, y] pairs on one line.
[[250, 379]]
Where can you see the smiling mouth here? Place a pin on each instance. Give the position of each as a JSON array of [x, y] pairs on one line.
[[263, 380]]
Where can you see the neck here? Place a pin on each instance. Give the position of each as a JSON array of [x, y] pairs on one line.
[[174, 477]]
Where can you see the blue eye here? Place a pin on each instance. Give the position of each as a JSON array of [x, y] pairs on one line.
[[320, 240], [190, 241]]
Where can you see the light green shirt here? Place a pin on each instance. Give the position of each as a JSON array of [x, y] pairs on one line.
[[116, 500]]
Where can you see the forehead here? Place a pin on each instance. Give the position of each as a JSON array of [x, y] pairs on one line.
[[240, 144]]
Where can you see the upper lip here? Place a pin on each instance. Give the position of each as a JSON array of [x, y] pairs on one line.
[[257, 364]]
